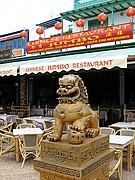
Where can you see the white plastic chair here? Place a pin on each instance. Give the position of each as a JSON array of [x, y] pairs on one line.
[[107, 130]]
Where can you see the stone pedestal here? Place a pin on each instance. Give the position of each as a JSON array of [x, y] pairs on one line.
[[63, 161]]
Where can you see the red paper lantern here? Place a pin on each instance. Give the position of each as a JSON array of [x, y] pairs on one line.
[[102, 17], [39, 30], [58, 25], [80, 23], [130, 12], [24, 34]]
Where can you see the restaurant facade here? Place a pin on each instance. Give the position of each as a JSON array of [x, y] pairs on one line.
[[103, 55]]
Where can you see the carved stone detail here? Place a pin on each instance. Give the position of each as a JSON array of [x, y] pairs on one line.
[[59, 154], [55, 176], [56, 168], [74, 155], [93, 152], [96, 165]]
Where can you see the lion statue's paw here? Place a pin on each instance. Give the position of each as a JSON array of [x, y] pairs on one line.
[[90, 132], [80, 125], [53, 137]]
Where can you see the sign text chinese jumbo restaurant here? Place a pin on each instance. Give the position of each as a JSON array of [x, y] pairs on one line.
[[83, 38], [43, 66]]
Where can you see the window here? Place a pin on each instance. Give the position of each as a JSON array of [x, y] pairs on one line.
[[93, 24]]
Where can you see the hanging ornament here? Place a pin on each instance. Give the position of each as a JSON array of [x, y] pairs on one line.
[[39, 31], [102, 17], [24, 34], [58, 25], [80, 23], [130, 12]]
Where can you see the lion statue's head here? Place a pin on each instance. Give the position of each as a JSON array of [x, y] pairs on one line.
[[72, 89]]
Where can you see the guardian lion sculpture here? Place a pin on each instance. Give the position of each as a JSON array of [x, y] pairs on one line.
[[74, 110]]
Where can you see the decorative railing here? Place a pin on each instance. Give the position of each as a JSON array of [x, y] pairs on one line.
[[85, 3]]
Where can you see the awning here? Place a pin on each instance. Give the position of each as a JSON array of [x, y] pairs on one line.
[[86, 61], [89, 9], [8, 69], [96, 60]]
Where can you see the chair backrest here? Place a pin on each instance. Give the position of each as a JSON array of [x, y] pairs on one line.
[[107, 130], [7, 142], [127, 112], [20, 114], [7, 127], [48, 123], [19, 121], [38, 124], [30, 145], [28, 121], [25, 109], [126, 132], [49, 127], [1, 121], [131, 117], [25, 125], [49, 111], [30, 140], [116, 163]]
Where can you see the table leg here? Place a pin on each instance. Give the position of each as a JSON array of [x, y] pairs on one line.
[[17, 150], [129, 157], [120, 168]]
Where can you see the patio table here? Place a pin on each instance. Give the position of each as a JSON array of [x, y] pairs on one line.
[[120, 142], [40, 119], [123, 125], [8, 118], [23, 131]]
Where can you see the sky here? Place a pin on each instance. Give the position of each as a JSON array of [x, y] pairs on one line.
[[16, 15]]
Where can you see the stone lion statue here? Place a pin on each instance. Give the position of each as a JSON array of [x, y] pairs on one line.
[[74, 110]]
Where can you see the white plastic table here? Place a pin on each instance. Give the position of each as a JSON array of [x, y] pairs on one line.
[[40, 119], [120, 142], [123, 125], [8, 118], [23, 131]]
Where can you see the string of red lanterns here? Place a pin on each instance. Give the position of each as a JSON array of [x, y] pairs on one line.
[[102, 17]]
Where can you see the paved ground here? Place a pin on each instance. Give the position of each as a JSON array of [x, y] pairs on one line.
[[10, 170], [126, 175]]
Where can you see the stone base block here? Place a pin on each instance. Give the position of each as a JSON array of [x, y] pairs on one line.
[[64, 161]]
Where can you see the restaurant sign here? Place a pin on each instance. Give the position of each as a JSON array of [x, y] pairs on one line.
[[86, 63], [95, 36], [5, 52]]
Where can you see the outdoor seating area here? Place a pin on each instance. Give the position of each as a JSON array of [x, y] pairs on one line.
[[22, 136]]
